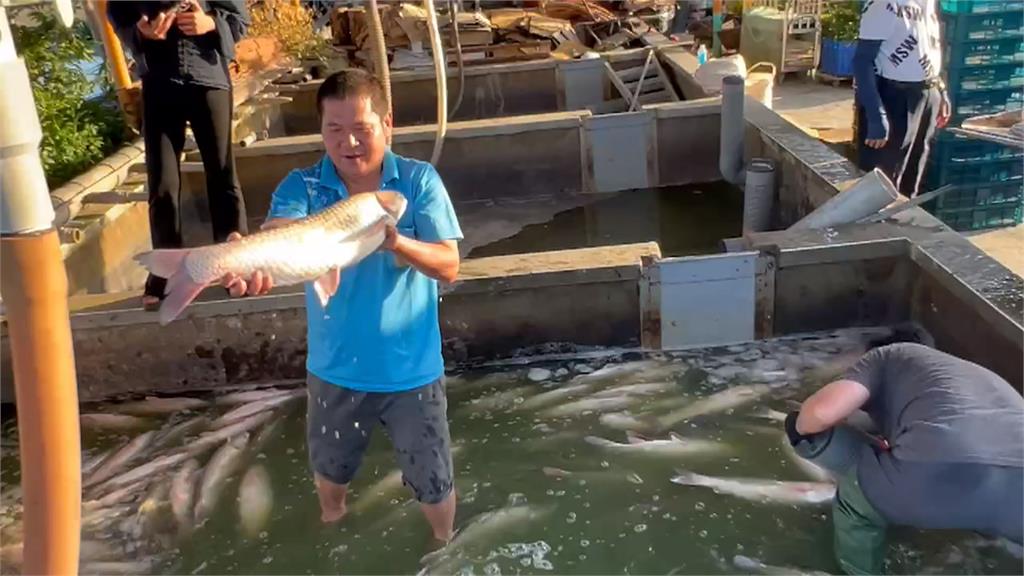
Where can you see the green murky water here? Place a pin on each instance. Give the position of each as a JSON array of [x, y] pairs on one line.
[[683, 220], [618, 513]]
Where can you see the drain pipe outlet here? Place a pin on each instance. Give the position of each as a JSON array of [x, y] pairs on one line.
[[730, 154], [871, 193], [758, 195]]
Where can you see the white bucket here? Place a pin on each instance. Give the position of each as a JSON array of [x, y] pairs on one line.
[[759, 84]]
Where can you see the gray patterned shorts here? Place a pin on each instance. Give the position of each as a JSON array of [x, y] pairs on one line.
[[340, 421]]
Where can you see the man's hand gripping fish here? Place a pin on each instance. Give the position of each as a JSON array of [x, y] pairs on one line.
[[312, 248]]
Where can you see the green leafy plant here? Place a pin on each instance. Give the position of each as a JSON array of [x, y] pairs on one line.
[[841, 20], [77, 131]]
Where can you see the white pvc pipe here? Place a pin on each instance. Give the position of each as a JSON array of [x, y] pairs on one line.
[[758, 195], [730, 151], [868, 195], [441, 73], [25, 205]]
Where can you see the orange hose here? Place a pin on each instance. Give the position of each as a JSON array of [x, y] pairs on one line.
[[115, 56], [35, 286]]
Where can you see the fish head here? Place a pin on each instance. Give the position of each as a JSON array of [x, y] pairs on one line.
[[393, 203]]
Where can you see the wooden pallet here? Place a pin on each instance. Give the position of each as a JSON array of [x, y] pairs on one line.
[[835, 81]]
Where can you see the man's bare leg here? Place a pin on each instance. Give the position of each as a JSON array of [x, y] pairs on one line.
[[441, 517], [332, 499]]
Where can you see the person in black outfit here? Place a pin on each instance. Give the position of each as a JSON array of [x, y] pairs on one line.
[[182, 51]]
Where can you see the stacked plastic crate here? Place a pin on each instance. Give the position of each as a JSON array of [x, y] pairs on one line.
[[983, 42]]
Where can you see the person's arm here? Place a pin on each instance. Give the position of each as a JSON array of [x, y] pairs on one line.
[[867, 92], [831, 405], [435, 250]]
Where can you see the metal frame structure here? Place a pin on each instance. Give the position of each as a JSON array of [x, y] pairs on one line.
[[800, 18]]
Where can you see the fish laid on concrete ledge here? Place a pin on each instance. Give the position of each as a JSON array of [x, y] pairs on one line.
[[312, 248]]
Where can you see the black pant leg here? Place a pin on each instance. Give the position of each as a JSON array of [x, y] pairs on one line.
[[210, 112], [163, 128], [920, 131]]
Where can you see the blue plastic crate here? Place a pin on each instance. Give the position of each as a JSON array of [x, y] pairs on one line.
[[981, 6], [837, 57], [981, 217], [985, 53], [966, 104], [951, 149], [974, 78], [977, 195], [960, 28]]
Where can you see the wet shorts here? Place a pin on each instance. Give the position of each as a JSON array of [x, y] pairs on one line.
[[340, 421]]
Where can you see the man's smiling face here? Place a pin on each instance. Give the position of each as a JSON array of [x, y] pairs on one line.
[[355, 135]]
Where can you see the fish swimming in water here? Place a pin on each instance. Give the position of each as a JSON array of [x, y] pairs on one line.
[[384, 490], [602, 476], [755, 566], [589, 405], [717, 402], [255, 500], [102, 421], [764, 491], [175, 434], [312, 248], [246, 410], [246, 396], [674, 445], [183, 493], [554, 395], [156, 406], [224, 463], [118, 460], [623, 421]]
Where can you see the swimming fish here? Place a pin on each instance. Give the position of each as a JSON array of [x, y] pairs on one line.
[[246, 410], [224, 463], [155, 406], [589, 405], [100, 421], [313, 248], [246, 396], [553, 396], [149, 469], [755, 566], [674, 445], [118, 460], [255, 500], [183, 492], [601, 476], [623, 421], [717, 402], [809, 468], [764, 491], [175, 434], [482, 529], [384, 490], [207, 440], [645, 389]]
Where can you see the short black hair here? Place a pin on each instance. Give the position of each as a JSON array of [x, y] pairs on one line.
[[903, 333], [352, 82]]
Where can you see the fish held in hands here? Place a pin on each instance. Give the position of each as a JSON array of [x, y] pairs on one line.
[[312, 248]]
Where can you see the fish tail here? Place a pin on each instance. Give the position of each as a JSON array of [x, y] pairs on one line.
[[181, 291], [555, 472]]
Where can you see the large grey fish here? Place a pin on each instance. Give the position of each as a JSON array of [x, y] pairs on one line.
[[312, 248], [118, 460], [384, 490], [755, 566], [255, 500], [717, 402], [155, 406], [93, 462], [645, 389], [182, 495], [552, 396], [482, 529], [123, 494], [124, 568], [149, 469], [593, 476], [175, 434], [224, 463], [101, 421], [155, 509], [251, 408], [246, 396], [215, 437], [624, 421], [763, 491], [674, 445], [589, 405]]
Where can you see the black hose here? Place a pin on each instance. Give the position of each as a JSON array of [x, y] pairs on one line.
[[458, 58]]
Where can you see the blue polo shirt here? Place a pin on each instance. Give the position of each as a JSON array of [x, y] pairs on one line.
[[380, 331]]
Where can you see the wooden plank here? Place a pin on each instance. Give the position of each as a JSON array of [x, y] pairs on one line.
[[665, 81], [651, 84], [655, 97], [609, 107], [619, 85], [629, 74]]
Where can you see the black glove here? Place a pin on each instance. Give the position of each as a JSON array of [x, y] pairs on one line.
[[794, 436]]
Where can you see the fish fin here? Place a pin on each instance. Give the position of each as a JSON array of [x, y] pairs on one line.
[[555, 472], [675, 437], [636, 437], [327, 285], [162, 263], [180, 292]]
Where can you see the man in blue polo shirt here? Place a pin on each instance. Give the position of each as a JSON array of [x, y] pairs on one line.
[[375, 350]]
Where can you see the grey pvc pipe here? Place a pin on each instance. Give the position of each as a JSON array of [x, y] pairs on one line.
[[758, 195], [730, 154], [868, 195]]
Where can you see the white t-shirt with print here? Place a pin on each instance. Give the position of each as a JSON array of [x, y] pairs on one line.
[[909, 30]]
